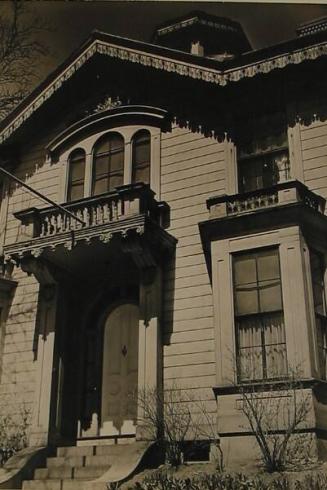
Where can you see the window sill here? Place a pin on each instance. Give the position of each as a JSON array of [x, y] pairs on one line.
[[266, 385]]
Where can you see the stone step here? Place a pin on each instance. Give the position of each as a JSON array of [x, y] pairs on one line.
[[99, 460], [42, 485], [75, 462], [62, 485], [76, 451], [80, 451], [79, 473], [89, 472], [53, 473], [61, 461]]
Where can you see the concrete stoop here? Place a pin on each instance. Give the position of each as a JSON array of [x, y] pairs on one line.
[[88, 467]]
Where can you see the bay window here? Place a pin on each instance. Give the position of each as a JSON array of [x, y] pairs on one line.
[[319, 300], [259, 318], [263, 158]]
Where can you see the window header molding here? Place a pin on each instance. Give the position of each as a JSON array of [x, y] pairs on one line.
[[110, 118]]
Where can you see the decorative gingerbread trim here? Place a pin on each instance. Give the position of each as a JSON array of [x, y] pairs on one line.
[[164, 63]]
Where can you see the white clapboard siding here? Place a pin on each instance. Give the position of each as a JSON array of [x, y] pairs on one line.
[[193, 169], [189, 371], [314, 156], [17, 363]]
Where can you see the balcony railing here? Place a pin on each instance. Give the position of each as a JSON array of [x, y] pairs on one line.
[[280, 194], [125, 202]]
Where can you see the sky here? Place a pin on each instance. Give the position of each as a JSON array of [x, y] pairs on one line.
[[71, 22]]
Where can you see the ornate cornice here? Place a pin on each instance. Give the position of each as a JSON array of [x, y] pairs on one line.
[[167, 61]]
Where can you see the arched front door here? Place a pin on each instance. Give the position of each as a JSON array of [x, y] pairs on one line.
[[120, 371]]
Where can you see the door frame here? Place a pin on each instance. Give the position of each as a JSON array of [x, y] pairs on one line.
[[96, 329]]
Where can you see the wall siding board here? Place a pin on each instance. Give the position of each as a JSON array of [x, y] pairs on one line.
[[193, 169]]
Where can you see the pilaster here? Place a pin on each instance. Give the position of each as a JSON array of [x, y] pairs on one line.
[[150, 343], [46, 329]]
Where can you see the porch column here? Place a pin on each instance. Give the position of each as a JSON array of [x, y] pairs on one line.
[[150, 342], [44, 356]]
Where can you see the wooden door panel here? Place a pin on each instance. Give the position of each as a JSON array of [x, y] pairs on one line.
[[120, 371]]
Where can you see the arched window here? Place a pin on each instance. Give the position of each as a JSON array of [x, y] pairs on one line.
[[108, 164], [76, 175], [141, 157]]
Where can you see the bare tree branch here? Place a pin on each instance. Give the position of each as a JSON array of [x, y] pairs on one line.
[[20, 51]]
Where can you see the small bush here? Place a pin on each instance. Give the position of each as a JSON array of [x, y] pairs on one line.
[[13, 433], [161, 480]]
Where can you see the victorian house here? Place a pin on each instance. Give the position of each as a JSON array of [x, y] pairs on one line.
[[183, 243]]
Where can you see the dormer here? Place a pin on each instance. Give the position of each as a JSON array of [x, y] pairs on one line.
[[203, 35]]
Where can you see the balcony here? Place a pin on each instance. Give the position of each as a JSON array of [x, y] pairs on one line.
[[288, 203], [130, 210], [284, 193]]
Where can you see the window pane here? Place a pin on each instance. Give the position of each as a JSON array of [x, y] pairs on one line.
[[116, 142], [115, 181], [108, 160], [141, 157], [250, 349], [116, 161], [102, 147], [100, 186], [77, 170], [101, 165], [270, 295], [318, 288], [275, 345], [142, 175], [259, 317], [76, 192], [76, 175], [244, 269], [142, 153], [246, 302], [268, 265]]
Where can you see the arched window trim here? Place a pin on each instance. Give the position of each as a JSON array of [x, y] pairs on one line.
[[89, 143]]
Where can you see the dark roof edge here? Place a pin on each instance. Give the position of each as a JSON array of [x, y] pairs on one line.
[[224, 71]]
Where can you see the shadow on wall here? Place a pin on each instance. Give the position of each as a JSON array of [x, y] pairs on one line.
[[169, 278]]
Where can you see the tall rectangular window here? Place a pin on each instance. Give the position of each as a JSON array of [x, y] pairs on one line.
[[259, 318], [319, 300], [262, 149]]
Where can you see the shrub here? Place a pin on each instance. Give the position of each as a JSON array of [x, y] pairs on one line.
[[275, 416], [13, 433], [178, 422], [161, 480]]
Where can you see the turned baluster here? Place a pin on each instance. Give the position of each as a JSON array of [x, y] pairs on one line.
[[114, 210], [42, 229], [99, 215], [59, 222], [80, 216], [47, 226], [106, 216], [86, 216], [120, 208]]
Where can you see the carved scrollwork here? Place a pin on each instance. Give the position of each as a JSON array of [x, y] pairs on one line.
[[140, 230], [36, 252], [69, 245], [106, 237]]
